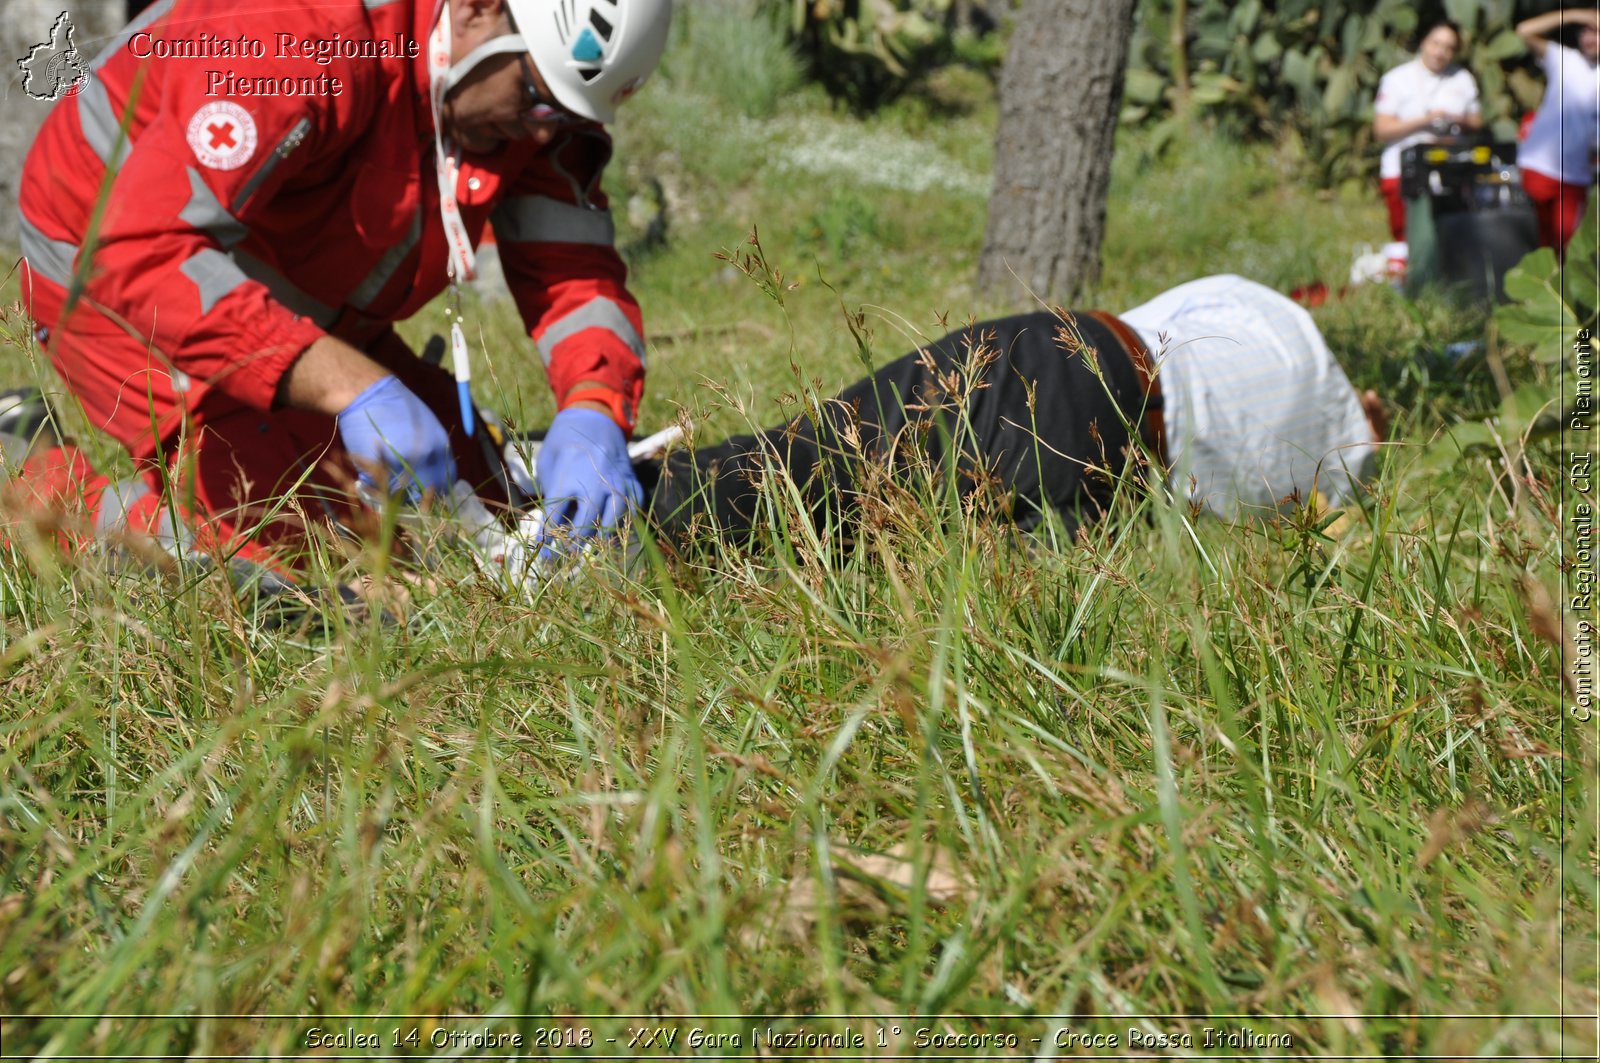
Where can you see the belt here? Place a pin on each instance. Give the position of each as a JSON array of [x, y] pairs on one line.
[[1155, 422]]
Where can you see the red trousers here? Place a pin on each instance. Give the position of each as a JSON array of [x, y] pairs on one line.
[[1559, 207], [213, 475], [1390, 187]]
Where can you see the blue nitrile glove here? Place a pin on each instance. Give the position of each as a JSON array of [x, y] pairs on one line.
[[388, 426], [585, 477]]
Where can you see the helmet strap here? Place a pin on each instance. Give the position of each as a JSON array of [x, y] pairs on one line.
[[511, 42]]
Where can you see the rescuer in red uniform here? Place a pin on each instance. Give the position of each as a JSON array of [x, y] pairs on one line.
[[269, 214]]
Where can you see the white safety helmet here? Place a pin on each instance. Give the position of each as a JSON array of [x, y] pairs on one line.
[[593, 53]]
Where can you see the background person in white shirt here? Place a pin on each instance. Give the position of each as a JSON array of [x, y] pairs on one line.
[[1247, 410], [1557, 155], [1418, 100]]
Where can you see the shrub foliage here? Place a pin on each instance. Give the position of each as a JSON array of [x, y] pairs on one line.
[[1300, 70]]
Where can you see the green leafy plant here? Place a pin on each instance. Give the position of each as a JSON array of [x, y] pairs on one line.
[[1540, 315], [1550, 302]]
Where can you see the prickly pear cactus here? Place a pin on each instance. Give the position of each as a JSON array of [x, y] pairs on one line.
[[868, 50], [1309, 71]]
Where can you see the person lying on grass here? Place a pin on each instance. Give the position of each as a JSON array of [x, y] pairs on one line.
[[1224, 384], [1245, 410]]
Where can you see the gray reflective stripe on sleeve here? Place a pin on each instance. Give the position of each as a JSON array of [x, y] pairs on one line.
[[598, 312], [95, 114], [375, 281], [99, 122], [115, 502], [532, 219], [205, 211], [146, 19], [214, 273], [51, 259], [373, 5], [285, 293]]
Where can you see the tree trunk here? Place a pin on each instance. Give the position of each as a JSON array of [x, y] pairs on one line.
[[1060, 92]]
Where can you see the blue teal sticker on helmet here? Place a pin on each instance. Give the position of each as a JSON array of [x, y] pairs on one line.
[[587, 47]]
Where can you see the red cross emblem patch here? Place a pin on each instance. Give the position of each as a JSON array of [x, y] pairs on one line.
[[222, 135]]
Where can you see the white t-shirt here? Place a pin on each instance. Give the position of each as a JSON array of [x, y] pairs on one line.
[[1257, 411], [1410, 91], [1562, 136]]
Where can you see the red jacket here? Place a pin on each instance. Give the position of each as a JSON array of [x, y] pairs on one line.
[[241, 227]]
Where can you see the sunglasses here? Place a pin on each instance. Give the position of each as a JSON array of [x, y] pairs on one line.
[[537, 107]]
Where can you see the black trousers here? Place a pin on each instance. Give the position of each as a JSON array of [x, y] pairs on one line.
[[1033, 411]]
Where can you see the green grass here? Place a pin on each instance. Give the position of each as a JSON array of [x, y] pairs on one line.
[[1174, 767]]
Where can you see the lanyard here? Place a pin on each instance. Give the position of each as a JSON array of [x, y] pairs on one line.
[[462, 264]]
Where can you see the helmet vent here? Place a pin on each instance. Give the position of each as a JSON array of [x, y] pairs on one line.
[[588, 73], [598, 21]]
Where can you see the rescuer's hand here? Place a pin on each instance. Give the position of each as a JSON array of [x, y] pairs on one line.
[[585, 477], [388, 428]]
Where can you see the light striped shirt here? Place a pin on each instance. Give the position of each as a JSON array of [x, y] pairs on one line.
[[1258, 414]]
